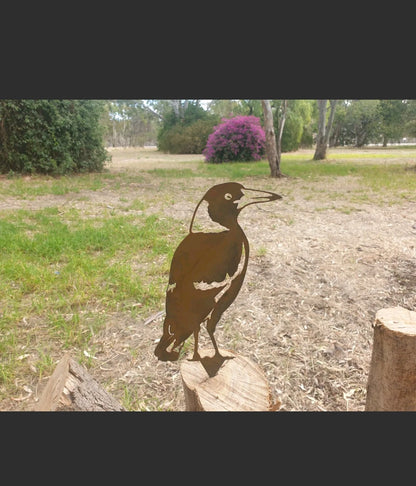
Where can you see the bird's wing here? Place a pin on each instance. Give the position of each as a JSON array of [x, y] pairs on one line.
[[205, 257]]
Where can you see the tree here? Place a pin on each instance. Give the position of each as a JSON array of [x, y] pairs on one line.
[[130, 123], [297, 125], [185, 127], [363, 122], [251, 107], [273, 146], [359, 122], [230, 108], [324, 129], [410, 125], [356, 122], [392, 115], [337, 135]]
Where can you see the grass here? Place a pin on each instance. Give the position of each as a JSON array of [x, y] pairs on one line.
[[30, 187], [376, 170], [65, 271], [62, 271]]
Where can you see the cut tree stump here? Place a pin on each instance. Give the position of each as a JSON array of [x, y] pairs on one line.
[[392, 378], [233, 383], [72, 388]]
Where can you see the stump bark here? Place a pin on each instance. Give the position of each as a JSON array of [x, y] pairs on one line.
[[72, 388], [233, 383], [392, 378]]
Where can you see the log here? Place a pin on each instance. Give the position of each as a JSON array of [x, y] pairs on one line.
[[233, 383], [72, 388], [391, 382]]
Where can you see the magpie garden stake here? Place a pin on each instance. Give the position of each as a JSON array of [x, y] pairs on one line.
[[207, 269]]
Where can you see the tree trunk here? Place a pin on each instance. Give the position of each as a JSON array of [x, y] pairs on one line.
[[333, 104], [179, 109], [233, 383], [272, 152], [392, 378], [176, 107], [72, 388], [281, 127], [324, 129], [320, 151]]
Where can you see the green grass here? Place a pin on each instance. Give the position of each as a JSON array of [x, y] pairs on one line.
[[172, 173], [90, 259], [66, 271], [30, 187], [366, 167]]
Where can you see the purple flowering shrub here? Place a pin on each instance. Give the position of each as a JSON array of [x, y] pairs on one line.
[[236, 139]]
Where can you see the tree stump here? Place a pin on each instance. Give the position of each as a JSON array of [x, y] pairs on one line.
[[233, 383], [72, 388], [392, 378]]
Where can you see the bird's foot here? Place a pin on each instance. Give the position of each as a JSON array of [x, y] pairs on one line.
[[195, 357]]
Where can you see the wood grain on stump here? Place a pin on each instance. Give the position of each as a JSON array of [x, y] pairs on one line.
[[233, 383]]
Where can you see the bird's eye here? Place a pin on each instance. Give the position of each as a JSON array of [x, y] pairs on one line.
[[228, 196]]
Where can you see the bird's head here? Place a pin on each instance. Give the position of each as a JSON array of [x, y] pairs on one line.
[[224, 202]]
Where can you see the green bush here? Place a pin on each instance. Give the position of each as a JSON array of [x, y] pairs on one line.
[[186, 130], [191, 139], [51, 136]]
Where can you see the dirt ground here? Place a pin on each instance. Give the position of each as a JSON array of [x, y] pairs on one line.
[[320, 268]]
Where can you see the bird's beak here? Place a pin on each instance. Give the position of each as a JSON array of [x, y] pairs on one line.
[[162, 352], [253, 196], [170, 344]]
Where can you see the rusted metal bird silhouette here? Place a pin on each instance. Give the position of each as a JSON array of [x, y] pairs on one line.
[[207, 269]]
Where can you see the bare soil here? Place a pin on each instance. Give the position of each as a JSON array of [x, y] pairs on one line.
[[320, 268]]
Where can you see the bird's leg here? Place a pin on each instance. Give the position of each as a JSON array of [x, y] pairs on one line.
[[196, 356], [211, 335]]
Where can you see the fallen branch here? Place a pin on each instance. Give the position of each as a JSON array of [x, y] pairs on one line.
[[154, 317]]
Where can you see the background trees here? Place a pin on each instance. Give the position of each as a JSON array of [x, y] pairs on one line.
[[360, 122], [63, 136], [392, 116], [130, 123], [171, 124]]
